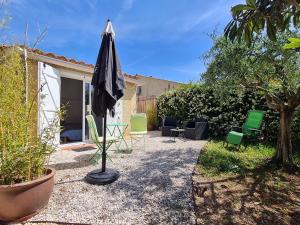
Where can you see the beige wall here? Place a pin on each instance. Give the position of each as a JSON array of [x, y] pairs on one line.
[[129, 104], [129, 98], [155, 87]]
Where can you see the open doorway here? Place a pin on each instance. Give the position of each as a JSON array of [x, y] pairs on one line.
[[72, 99]]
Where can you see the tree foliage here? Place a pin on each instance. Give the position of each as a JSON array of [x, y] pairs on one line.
[[265, 67], [255, 16]]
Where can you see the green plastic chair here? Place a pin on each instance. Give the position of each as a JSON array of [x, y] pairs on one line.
[[138, 123], [98, 140], [250, 129]]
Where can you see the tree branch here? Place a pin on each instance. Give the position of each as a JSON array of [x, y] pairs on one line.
[[40, 37], [271, 103]]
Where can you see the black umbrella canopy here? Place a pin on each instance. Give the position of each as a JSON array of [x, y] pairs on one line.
[[109, 84], [108, 80]]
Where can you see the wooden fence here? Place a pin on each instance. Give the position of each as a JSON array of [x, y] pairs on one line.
[[144, 102]]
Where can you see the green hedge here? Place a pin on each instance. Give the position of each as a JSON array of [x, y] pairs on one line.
[[222, 112]]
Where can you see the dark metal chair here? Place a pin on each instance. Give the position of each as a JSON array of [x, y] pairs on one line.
[[168, 124], [196, 129]]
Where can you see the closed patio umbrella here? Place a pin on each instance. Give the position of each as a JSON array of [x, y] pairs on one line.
[[109, 84]]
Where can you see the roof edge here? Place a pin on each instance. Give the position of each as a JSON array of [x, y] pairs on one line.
[[138, 76], [70, 65]]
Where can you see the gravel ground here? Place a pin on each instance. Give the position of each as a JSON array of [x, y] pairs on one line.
[[154, 186]]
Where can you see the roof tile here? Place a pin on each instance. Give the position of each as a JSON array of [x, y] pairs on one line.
[[71, 60]]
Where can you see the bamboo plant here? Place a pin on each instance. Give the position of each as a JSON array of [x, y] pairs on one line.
[[23, 153]]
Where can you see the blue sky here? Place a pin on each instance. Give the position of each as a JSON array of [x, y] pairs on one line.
[[162, 38]]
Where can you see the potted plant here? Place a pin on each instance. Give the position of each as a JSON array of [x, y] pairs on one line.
[[26, 182]]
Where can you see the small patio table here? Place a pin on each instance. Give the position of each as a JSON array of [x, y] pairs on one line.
[[118, 131], [179, 132]]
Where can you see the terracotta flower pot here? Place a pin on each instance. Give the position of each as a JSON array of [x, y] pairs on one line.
[[21, 201]]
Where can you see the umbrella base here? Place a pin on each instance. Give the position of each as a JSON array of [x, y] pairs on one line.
[[101, 178]]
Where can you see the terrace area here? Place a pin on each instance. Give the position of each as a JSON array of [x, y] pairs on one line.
[[154, 186]]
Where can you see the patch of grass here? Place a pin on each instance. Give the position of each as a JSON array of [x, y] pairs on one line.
[[267, 191], [215, 159]]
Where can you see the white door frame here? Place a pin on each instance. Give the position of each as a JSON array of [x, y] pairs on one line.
[[85, 79], [53, 73]]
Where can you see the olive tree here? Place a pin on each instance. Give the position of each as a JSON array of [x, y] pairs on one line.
[[266, 67], [255, 16]]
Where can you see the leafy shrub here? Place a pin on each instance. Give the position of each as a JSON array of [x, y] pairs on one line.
[[215, 159], [222, 112], [23, 154]]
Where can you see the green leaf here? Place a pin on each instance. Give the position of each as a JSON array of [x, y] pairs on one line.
[[228, 28], [251, 3], [286, 22], [291, 46], [247, 33], [296, 40], [256, 24], [294, 43], [239, 33], [232, 33], [239, 8], [271, 31]]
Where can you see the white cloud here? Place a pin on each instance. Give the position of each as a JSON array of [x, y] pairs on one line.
[[172, 26], [127, 5], [92, 4], [211, 16], [139, 60], [124, 30], [191, 70], [145, 26], [18, 2]]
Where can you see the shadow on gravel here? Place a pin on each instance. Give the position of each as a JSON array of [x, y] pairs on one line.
[[152, 185], [80, 161], [154, 134], [83, 149]]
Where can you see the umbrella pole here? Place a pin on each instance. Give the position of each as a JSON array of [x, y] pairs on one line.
[[103, 176], [104, 143]]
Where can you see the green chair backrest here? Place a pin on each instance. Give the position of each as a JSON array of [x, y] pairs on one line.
[[92, 128], [254, 120], [138, 122]]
